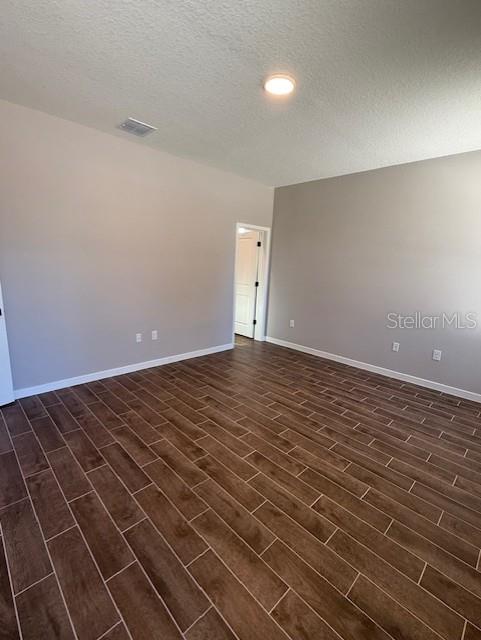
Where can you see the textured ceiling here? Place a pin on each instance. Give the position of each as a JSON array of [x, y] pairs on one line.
[[379, 82]]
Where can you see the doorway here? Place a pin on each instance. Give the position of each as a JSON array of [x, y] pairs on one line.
[[6, 386], [250, 280]]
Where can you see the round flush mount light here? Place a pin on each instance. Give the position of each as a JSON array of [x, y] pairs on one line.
[[279, 84]]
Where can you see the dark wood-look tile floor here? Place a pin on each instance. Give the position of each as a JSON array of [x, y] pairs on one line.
[[257, 493]]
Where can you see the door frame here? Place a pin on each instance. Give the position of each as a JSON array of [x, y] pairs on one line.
[[260, 328], [9, 392]]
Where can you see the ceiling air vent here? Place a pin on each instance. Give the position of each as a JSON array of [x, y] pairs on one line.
[[136, 128]]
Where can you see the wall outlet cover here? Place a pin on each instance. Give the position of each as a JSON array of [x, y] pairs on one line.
[[395, 346], [138, 337], [291, 324], [155, 334]]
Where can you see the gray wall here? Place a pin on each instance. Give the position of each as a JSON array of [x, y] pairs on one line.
[[349, 250], [101, 238]]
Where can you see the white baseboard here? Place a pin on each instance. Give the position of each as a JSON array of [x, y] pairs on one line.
[[405, 377], [108, 373]]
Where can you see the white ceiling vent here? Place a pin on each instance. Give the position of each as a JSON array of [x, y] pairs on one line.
[[137, 128]]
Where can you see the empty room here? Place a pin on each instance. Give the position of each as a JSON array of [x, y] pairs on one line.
[[240, 320]]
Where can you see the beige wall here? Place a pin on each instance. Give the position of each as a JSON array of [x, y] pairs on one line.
[[349, 250], [101, 238]]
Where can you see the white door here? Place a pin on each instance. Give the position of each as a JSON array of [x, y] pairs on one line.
[[6, 386], [245, 282]]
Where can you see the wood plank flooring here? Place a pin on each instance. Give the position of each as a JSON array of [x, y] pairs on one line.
[[257, 493]]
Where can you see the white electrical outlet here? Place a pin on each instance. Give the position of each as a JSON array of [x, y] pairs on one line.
[[138, 337], [395, 346], [291, 324], [155, 335], [437, 353]]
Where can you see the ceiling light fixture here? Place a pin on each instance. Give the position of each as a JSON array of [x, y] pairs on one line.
[[279, 84]]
